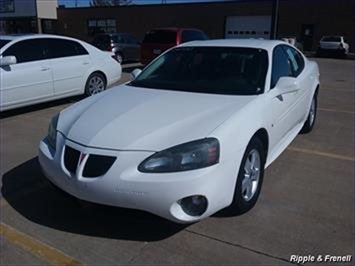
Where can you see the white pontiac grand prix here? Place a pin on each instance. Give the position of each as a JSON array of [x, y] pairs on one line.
[[191, 134]]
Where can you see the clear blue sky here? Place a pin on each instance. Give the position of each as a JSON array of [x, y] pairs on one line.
[[71, 3]]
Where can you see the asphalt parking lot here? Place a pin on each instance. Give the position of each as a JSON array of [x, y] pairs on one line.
[[306, 206]]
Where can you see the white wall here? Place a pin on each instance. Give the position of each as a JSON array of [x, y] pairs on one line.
[[47, 9]]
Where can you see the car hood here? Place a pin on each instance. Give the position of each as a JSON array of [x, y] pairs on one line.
[[131, 118]]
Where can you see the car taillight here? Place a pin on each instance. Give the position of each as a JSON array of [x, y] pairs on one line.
[[110, 47]]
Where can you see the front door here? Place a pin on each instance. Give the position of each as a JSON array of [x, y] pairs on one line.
[[30, 79]]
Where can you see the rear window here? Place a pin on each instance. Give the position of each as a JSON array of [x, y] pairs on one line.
[[3, 43], [193, 35], [331, 39], [160, 36]]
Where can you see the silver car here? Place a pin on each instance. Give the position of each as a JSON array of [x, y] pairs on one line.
[[333, 44], [125, 46]]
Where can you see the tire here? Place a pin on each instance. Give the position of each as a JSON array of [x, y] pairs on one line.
[[96, 83], [311, 118], [248, 185], [119, 58]]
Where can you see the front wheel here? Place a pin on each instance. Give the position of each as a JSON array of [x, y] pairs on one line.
[[250, 178], [95, 84], [311, 118]]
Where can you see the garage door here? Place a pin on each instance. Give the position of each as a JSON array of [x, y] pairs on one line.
[[248, 27]]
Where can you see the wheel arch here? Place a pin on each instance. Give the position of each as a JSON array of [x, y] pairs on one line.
[[263, 136], [98, 72]]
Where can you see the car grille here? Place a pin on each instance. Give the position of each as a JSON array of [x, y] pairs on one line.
[[71, 158], [97, 165]]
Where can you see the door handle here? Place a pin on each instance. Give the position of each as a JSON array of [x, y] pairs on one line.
[[86, 63], [45, 68]]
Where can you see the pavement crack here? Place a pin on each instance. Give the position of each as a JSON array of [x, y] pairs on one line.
[[241, 246], [145, 244]]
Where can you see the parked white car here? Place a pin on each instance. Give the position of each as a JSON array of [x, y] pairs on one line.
[[333, 44], [39, 68], [191, 134]]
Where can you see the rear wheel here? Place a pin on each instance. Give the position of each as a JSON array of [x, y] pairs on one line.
[[250, 178], [95, 84], [312, 115]]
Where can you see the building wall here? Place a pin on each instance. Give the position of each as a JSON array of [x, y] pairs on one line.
[[21, 9], [139, 19], [327, 17]]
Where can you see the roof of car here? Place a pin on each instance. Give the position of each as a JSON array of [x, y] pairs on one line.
[[173, 29], [31, 36], [249, 43]]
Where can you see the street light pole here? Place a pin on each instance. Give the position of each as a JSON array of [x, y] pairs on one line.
[[274, 19]]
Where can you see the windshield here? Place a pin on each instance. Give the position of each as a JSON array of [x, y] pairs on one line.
[[3, 43], [331, 39], [218, 70]]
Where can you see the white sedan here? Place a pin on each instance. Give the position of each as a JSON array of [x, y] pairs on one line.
[[191, 134], [39, 68]]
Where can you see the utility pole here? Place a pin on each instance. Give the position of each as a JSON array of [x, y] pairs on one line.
[[274, 19]]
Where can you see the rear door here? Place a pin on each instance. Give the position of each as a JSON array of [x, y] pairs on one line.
[[70, 62], [30, 79], [132, 47]]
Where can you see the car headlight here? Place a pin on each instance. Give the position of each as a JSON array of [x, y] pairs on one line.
[[52, 132], [188, 156]]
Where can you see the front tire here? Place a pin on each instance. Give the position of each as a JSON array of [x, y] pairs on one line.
[[311, 118], [250, 178], [95, 84]]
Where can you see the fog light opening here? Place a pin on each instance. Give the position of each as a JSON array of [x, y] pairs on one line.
[[194, 205]]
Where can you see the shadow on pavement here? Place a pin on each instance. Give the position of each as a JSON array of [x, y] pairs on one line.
[[38, 107], [29, 193]]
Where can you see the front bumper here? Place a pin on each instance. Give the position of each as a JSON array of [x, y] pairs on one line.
[[124, 186]]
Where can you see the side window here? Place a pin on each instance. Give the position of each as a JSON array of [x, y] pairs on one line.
[[280, 65], [295, 60], [192, 35], [59, 48], [131, 39], [27, 50]]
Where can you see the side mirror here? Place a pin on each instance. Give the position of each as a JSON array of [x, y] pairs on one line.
[[135, 73], [8, 60], [287, 84]]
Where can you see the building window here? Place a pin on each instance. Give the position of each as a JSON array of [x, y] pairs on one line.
[[96, 26], [7, 6]]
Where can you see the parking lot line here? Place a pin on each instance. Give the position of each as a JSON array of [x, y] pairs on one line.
[[336, 110], [49, 254], [321, 153]]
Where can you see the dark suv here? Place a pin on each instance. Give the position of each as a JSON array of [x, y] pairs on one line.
[[159, 40], [125, 46]]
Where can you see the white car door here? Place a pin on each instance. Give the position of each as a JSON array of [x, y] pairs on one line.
[[70, 62], [283, 102], [305, 81], [30, 79]]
